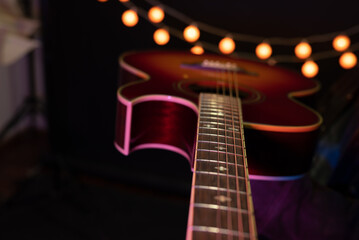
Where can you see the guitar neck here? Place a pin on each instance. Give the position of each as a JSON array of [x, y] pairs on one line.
[[221, 203]]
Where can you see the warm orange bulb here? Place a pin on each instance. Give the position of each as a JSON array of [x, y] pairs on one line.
[[303, 50], [129, 18], [348, 60], [102, 0], [191, 33], [310, 69], [122, 0], [198, 50], [161, 36], [156, 14], [263, 51], [227, 45], [341, 43]]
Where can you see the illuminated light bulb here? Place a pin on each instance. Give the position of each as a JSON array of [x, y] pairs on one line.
[[102, 0], [191, 33], [341, 43], [310, 69], [348, 60], [227, 45], [197, 49], [303, 50], [129, 18], [123, 0], [156, 14], [263, 51], [161, 36]]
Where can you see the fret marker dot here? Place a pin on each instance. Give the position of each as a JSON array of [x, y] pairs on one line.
[[222, 198], [221, 168], [221, 148]]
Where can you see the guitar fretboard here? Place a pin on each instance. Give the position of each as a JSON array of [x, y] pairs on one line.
[[221, 204]]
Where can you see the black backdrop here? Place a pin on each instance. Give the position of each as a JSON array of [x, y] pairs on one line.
[[83, 41]]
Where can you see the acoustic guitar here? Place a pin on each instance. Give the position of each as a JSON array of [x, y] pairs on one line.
[[202, 107]]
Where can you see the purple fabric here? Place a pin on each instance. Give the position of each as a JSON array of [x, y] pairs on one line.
[[300, 209]]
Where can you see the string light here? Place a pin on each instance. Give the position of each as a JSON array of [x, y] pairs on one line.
[[161, 36], [341, 43], [227, 45], [129, 18], [310, 69], [348, 60], [156, 14], [102, 0], [197, 49], [303, 50], [191, 33], [263, 51]]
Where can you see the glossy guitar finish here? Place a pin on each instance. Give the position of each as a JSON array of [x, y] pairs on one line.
[[158, 108]]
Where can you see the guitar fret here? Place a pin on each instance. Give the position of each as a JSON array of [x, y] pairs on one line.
[[230, 143], [219, 116], [220, 120], [215, 143], [211, 188], [229, 217], [227, 128], [217, 135], [212, 113], [217, 161], [219, 112], [220, 147], [218, 139], [213, 123], [222, 198], [219, 207], [221, 181], [221, 168], [216, 230], [221, 102], [225, 133], [214, 128], [217, 99], [219, 109], [219, 174], [229, 148], [218, 151], [220, 156]]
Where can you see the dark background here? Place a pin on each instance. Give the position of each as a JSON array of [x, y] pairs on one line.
[[145, 194], [84, 39]]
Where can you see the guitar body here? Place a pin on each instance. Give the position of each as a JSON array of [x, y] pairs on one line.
[[158, 108]]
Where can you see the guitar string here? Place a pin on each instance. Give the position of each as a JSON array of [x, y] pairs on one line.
[[229, 101], [234, 88], [220, 90], [245, 164], [218, 165]]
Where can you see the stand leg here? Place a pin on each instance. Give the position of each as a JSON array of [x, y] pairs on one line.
[[30, 106]]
